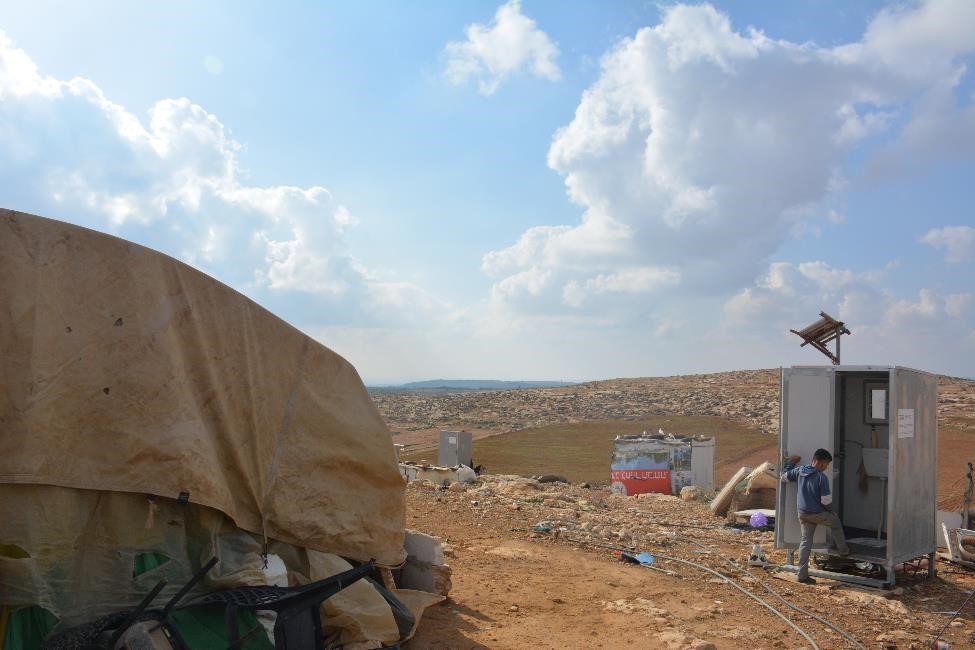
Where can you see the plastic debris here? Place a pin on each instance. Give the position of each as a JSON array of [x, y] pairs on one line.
[[645, 559], [757, 557]]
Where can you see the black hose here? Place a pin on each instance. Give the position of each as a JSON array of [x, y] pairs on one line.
[[948, 622], [847, 636], [731, 582]]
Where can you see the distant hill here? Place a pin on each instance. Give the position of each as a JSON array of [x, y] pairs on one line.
[[472, 384], [749, 396]]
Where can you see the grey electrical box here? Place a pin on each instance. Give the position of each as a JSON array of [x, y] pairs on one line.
[[455, 448], [880, 423]]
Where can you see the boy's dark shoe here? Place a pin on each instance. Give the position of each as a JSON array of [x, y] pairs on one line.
[[806, 581]]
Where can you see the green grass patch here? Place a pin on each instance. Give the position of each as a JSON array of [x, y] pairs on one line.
[[581, 451]]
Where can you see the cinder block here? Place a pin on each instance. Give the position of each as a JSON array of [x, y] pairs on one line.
[[423, 548]]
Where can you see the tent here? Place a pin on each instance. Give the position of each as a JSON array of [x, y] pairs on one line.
[[146, 408]]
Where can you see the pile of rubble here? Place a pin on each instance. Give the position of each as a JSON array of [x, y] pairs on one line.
[[590, 516]]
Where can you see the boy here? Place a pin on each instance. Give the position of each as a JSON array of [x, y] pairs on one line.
[[814, 502]]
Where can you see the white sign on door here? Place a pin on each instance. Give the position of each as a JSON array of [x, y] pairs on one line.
[[905, 423]]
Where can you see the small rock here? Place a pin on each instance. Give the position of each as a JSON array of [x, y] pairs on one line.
[[514, 506], [893, 638], [458, 487], [690, 493], [957, 624], [700, 644], [513, 608], [551, 478], [519, 486]]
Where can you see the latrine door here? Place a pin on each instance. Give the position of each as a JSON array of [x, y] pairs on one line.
[[807, 419], [912, 490]]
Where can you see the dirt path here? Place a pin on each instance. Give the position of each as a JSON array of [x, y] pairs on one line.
[[523, 594], [515, 588]]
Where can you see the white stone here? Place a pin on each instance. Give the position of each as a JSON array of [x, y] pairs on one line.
[[423, 547]]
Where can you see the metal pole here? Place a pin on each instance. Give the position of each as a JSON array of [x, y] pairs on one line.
[[883, 507], [968, 499]]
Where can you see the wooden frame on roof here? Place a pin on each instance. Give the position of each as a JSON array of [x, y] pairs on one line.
[[823, 331]]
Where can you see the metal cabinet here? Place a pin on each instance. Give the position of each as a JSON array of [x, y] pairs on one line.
[[455, 449]]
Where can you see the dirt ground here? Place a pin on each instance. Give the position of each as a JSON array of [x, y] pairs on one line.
[[517, 588]]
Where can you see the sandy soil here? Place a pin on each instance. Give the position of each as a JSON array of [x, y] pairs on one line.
[[514, 588]]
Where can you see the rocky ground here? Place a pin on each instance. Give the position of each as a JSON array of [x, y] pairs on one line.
[[750, 396], [536, 566]]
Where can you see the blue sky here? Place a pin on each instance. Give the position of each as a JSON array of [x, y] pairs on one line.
[[527, 190]]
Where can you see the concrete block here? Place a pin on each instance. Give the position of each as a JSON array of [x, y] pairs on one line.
[[425, 569], [434, 579], [423, 548]]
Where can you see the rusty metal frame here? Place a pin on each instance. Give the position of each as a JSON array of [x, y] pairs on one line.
[[823, 331]]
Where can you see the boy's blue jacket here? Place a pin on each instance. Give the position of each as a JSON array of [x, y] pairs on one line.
[[813, 495]]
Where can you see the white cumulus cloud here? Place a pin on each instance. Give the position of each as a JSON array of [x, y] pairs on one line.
[[627, 281], [958, 242], [927, 330], [701, 147], [173, 181], [492, 53]]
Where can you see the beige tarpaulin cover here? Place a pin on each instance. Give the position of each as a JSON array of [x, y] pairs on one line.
[[122, 369]]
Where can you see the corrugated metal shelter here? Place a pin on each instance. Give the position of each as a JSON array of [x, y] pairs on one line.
[[662, 464]]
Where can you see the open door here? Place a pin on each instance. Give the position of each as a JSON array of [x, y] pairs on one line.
[[807, 420], [912, 502]]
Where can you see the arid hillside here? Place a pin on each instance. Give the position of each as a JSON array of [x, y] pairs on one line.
[[747, 396], [569, 430]]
